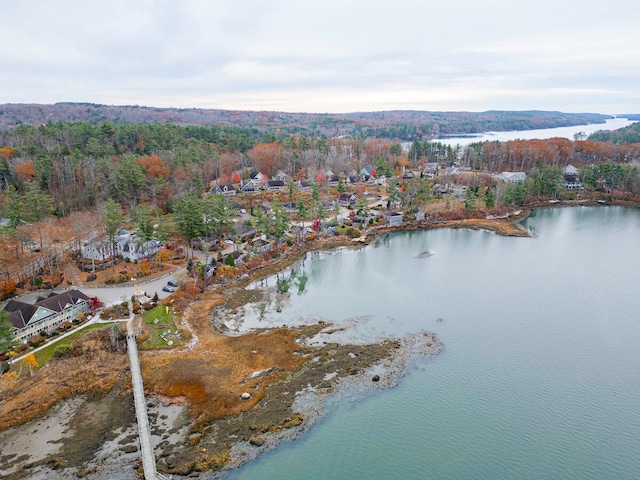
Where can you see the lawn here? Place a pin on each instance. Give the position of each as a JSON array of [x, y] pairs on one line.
[[43, 356], [159, 321]]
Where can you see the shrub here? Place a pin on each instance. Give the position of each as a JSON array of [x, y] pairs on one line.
[[62, 351], [35, 340], [229, 261], [91, 277], [353, 232]]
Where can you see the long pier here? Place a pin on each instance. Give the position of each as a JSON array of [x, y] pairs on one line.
[[144, 432]]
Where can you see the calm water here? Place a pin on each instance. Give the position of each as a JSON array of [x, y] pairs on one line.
[[562, 132], [540, 377]]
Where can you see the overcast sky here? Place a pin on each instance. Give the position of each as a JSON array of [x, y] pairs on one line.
[[325, 55]]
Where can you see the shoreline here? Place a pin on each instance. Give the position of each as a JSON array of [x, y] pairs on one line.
[[251, 442]]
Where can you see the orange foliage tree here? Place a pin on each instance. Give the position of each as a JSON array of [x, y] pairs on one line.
[[265, 157], [25, 171]]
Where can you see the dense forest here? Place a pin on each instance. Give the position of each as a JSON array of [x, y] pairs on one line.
[[82, 165], [400, 124], [630, 134]]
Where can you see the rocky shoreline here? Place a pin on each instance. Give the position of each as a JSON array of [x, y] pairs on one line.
[[96, 439]]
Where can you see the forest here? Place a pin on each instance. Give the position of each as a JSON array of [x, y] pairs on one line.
[[401, 124], [81, 165], [65, 183]]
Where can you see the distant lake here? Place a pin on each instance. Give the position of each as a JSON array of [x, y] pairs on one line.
[[539, 378], [563, 132]]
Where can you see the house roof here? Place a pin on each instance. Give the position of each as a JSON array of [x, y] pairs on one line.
[[21, 312], [225, 187], [275, 183], [513, 176], [570, 170]]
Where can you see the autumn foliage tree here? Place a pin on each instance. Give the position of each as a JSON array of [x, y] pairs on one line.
[[266, 157]]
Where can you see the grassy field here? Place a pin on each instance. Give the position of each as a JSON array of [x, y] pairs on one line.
[[43, 356], [157, 321]]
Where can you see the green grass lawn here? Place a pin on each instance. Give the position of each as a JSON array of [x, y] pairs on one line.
[[165, 322], [43, 356]]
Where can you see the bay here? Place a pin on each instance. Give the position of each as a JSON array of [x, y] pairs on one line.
[[544, 133], [540, 375]]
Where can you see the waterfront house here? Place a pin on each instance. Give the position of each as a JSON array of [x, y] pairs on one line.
[[46, 314], [394, 218], [259, 245]]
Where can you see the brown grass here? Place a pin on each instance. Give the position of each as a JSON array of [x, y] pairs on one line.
[[94, 373], [209, 376]]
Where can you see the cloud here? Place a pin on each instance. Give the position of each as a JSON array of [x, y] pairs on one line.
[[325, 55]]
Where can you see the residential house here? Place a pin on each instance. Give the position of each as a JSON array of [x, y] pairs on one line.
[[260, 245], [571, 177], [275, 186], [46, 314], [282, 176], [244, 232], [394, 218], [369, 179], [333, 180], [289, 206], [458, 190], [98, 251], [251, 186], [408, 175], [130, 247], [258, 177], [353, 179], [304, 185], [347, 199], [513, 177], [430, 170], [238, 257], [225, 189], [329, 205]]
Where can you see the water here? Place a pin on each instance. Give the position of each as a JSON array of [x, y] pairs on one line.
[[540, 376], [562, 132]]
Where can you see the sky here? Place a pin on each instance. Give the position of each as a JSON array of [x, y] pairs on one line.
[[326, 56]]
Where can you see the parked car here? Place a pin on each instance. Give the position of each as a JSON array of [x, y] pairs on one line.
[[171, 283], [168, 288]]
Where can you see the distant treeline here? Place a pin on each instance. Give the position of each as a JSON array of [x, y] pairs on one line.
[[398, 124]]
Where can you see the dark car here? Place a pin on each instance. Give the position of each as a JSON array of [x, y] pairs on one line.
[[171, 283], [168, 288]]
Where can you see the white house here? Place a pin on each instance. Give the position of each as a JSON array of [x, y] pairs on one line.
[[394, 218], [99, 251], [513, 177], [282, 176]]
